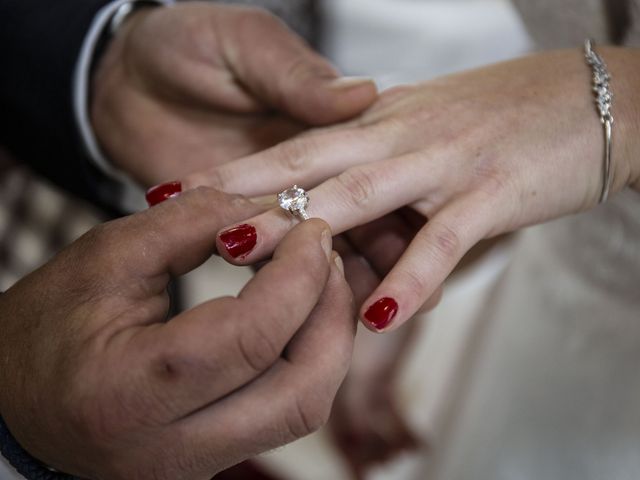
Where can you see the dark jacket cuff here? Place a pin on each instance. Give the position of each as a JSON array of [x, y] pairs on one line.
[[25, 464]]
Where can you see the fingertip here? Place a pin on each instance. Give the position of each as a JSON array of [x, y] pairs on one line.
[[317, 225], [340, 99], [338, 267], [320, 229], [164, 191], [380, 315], [237, 242], [347, 84], [337, 260], [326, 242], [326, 235], [357, 94], [384, 313], [261, 237]]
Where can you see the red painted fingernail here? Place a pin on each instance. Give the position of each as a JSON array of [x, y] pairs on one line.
[[162, 192], [381, 313], [240, 240]]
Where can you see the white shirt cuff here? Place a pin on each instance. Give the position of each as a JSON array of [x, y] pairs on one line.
[[132, 198]]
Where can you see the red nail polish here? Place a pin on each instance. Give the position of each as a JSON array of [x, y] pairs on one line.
[[382, 312], [240, 240], [162, 192]]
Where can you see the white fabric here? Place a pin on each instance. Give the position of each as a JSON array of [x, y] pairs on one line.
[[404, 41], [554, 390]]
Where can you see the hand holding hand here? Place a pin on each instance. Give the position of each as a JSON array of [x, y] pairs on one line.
[[96, 383], [477, 154], [193, 85]]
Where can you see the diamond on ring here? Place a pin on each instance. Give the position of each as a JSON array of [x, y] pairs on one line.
[[295, 201]]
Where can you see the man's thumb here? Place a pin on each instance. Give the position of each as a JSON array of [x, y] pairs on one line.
[[286, 74]]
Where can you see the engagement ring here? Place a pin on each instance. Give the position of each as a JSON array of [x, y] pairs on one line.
[[295, 200]]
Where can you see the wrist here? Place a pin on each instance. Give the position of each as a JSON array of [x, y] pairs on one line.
[[97, 45], [111, 77], [109, 71], [118, 32]]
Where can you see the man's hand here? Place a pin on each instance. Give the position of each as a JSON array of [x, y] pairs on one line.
[[95, 382], [194, 85]]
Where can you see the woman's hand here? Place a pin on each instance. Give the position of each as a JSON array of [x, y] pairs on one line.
[[190, 86], [95, 382], [478, 154]]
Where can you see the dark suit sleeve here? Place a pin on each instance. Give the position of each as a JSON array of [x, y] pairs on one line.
[[39, 44]]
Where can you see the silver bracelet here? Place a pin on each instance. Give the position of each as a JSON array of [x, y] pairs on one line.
[[604, 100]]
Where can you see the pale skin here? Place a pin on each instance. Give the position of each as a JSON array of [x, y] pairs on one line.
[[117, 392], [479, 154]]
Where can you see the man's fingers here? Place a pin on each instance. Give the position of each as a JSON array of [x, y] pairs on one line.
[[286, 74], [172, 238], [425, 265], [289, 401], [211, 350]]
